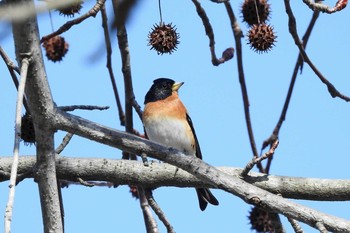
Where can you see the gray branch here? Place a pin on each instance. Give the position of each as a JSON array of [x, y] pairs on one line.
[[125, 172], [40, 103]]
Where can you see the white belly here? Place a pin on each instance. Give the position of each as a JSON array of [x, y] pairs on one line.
[[170, 133]]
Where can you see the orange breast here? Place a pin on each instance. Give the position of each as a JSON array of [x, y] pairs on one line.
[[166, 123]]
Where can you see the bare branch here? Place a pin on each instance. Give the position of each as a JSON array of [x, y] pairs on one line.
[[247, 192], [11, 66], [320, 226], [156, 208], [228, 53], [296, 227], [150, 222], [40, 102], [65, 27], [155, 175], [85, 183], [64, 143], [293, 31], [319, 6], [109, 65], [18, 120], [237, 33], [254, 161], [82, 107]]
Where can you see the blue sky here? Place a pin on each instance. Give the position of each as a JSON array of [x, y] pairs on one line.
[[314, 140]]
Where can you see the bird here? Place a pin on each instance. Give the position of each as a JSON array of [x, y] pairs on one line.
[[166, 121]]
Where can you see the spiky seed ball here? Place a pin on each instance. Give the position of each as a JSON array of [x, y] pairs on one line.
[[71, 9], [163, 38], [27, 129], [56, 48], [261, 37], [249, 11], [262, 221]]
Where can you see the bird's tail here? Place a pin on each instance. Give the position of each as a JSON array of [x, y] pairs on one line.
[[205, 197]]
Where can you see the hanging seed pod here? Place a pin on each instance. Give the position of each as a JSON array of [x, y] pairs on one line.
[[71, 9], [27, 129], [163, 38], [261, 38], [56, 48], [250, 11], [262, 221]]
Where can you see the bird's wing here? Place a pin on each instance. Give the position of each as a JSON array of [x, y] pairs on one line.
[[198, 149]]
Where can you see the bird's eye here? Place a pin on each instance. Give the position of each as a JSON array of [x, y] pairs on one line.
[[164, 86]]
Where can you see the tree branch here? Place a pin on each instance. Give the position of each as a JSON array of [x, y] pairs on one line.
[[237, 33], [109, 65], [293, 31], [319, 6], [247, 192], [14, 167], [40, 102], [158, 175], [65, 27], [228, 53]]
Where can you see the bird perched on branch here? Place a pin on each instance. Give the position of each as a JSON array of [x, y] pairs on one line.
[[167, 122]]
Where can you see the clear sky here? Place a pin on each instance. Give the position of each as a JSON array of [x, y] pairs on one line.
[[314, 140]]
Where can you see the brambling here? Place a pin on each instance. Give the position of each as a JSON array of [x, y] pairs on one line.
[[167, 122]]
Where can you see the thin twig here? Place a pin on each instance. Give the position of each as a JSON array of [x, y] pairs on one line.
[[137, 108], [156, 208], [293, 31], [151, 224], [67, 183], [12, 67], [10, 64], [60, 197], [296, 227], [258, 160], [320, 226], [160, 12], [219, 1], [82, 107], [65, 27], [85, 183], [109, 65], [9, 206], [126, 69], [64, 143], [228, 53], [123, 44], [319, 6], [298, 65], [238, 36]]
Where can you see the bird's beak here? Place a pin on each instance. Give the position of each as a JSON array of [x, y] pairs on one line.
[[176, 86]]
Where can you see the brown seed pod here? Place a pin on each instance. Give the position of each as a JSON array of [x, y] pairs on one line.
[[163, 38], [71, 9], [261, 37], [56, 48], [27, 129], [250, 15], [262, 221]]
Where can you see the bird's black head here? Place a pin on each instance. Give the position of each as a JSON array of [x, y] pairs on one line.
[[161, 89]]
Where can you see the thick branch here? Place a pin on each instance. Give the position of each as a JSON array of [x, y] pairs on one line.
[[26, 38], [162, 174], [247, 192]]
